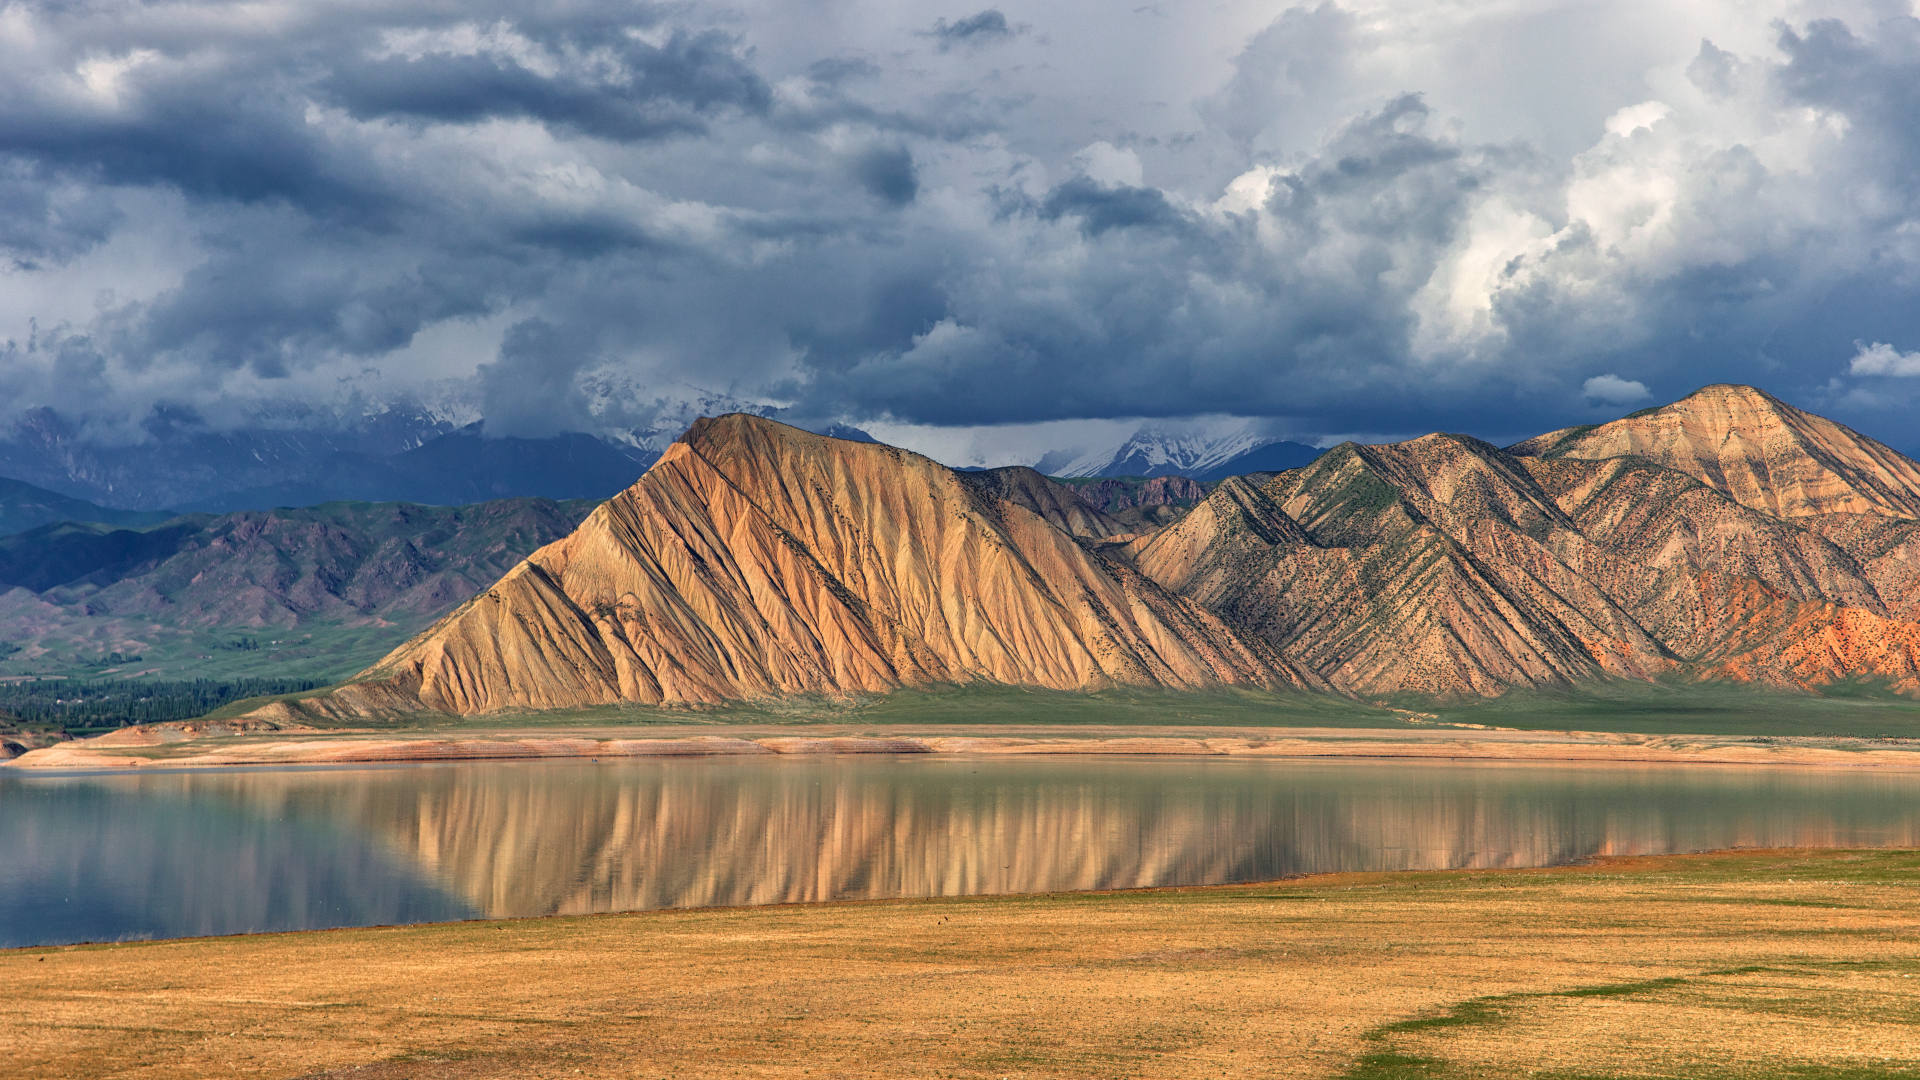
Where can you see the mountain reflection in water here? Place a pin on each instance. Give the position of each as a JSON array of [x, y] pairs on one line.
[[207, 852]]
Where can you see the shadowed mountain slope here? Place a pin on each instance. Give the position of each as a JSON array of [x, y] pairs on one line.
[[178, 461], [1061, 505], [1140, 504], [268, 568], [1273, 457], [757, 560]]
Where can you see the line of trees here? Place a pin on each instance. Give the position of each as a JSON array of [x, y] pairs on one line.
[[120, 702]]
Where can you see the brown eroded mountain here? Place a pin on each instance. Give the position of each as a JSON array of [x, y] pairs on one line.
[[1699, 540], [756, 560], [1755, 449], [1725, 537], [1421, 567]]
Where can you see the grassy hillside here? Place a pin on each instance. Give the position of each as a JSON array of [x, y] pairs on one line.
[[314, 593]]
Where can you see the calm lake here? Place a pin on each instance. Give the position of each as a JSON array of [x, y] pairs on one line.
[[106, 857]]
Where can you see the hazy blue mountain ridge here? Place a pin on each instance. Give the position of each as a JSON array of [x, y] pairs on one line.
[[177, 462], [321, 590], [456, 469], [24, 506]]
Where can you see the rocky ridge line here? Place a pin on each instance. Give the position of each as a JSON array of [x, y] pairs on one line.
[[758, 561]]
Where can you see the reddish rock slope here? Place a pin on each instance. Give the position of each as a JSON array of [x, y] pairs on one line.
[[1727, 536]]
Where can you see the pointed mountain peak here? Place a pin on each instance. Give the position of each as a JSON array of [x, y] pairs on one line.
[[1733, 406], [733, 427], [1755, 449], [1723, 393], [758, 560]]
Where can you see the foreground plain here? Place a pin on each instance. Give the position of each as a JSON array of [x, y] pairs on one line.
[[1754, 964]]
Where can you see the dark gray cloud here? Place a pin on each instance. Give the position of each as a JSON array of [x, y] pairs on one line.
[[842, 68], [1170, 307], [192, 131], [637, 91], [988, 27], [1874, 83], [1098, 207], [887, 171], [568, 213], [532, 390], [44, 221]]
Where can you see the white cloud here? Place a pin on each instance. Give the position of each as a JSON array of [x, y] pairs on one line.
[[1635, 117], [1614, 390], [1881, 358]]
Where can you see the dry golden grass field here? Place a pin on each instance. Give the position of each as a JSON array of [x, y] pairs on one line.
[[1789, 964]]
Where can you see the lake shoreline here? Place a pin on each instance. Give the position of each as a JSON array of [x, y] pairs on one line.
[[211, 745], [1311, 976], [1312, 879]]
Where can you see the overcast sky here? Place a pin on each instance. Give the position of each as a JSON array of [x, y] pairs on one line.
[[1380, 218]]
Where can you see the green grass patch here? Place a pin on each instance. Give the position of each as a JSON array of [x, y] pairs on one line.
[[1477, 1011], [1611, 707], [320, 655], [1844, 1071], [1398, 1067], [1016, 705], [979, 706], [1395, 1064], [318, 652], [1622, 989], [1854, 709]]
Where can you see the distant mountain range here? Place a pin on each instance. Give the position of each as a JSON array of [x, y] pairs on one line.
[[457, 468], [454, 469], [176, 463], [407, 452], [1728, 537], [309, 592], [23, 507], [439, 455], [1163, 451]]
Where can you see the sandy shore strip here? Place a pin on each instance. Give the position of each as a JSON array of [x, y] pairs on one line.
[[213, 745]]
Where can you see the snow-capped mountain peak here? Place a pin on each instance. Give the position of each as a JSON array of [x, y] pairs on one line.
[[1160, 450]]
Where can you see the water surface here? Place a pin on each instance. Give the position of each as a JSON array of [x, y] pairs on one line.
[[98, 856]]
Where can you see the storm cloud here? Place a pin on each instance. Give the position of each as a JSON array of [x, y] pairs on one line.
[[988, 27], [1342, 217]]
